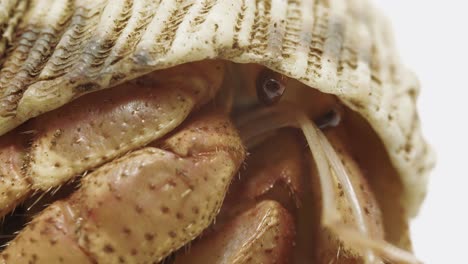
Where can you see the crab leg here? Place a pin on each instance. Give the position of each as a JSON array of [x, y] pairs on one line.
[[141, 207], [262, 234], [101, 126]]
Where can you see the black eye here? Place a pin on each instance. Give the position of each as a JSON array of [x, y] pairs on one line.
[[331, 119], [270, 87]]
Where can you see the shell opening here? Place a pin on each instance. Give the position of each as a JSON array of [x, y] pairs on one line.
[[330, 168]]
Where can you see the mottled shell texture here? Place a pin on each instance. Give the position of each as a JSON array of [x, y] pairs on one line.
[[53, 51]]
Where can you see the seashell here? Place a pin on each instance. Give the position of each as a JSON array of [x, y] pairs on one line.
[[54, 51]]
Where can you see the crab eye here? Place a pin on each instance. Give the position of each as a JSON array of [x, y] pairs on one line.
[[331, 119], [270, 87]]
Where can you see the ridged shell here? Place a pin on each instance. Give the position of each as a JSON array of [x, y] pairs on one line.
[[62, 49]]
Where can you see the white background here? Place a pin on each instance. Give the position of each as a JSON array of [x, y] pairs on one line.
[[433, 40]]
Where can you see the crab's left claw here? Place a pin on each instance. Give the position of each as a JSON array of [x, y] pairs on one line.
[[141, 207]]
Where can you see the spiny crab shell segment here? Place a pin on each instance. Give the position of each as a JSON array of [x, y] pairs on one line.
[[53, 51]]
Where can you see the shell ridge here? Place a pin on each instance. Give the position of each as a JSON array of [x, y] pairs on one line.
[[193, 34], [207, 5], [238, 24], [99, 47], [276, 29], [259, 30], [133, 32], [90, 17], [247, 15], [318, 39], [168, 34], [292, 27], [9, 20], [68, 49], [38, 53]]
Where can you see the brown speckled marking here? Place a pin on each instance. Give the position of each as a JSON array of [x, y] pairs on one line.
[[293, 24], [99, 47], [97, 224], [318, 39], [30, 58], [127, 42], [68, 50], [203, 13], [15, 13], [168, 34], [238, 25], [259, 32]]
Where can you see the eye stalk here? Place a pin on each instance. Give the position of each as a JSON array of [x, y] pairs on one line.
[[270, 86]]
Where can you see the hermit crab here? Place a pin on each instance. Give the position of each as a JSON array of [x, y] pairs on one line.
[[206, 131]]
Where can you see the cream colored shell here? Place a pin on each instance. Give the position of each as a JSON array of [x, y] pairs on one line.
[[58, 50]]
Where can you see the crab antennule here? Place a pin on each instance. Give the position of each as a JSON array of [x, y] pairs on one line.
[[348, 234], [329, 167]]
